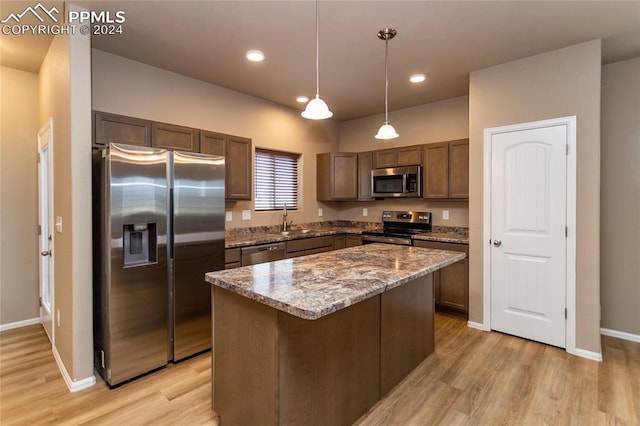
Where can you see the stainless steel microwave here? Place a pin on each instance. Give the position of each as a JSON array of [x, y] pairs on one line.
[[397, 182]]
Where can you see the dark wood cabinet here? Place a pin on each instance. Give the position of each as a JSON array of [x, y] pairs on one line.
[[409, 156], [436, 171], [384, 158], [120, 129], [336, 176], [238, 162], [232, 258], [238, 168], [459, 169], [212, 143], [446, 170], [365, 164], [306, 246], [176, 138], [451, 284], [403, 156]]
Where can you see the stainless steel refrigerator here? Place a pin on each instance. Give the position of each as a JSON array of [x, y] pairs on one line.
[[158, 228]]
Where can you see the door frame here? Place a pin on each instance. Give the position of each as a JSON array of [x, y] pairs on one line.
[[570, 122], [47, 128]]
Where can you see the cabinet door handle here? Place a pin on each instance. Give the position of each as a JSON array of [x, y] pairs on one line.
[[497, 243]]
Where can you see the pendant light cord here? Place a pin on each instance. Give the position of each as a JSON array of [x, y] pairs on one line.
[[386, 82], [317, 48]]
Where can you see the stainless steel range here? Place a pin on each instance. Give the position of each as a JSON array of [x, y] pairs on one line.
[[399, 227]]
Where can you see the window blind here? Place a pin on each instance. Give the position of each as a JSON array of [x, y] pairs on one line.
[[276, 180]]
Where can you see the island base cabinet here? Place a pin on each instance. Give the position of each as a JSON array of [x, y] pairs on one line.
[[272, 368]]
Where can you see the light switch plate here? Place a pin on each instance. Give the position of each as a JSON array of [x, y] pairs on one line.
[[445, 214], [229, 216], [365, 212], [246, 214], [320, 212]]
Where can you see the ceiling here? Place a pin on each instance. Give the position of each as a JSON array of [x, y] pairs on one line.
[[446, 40]]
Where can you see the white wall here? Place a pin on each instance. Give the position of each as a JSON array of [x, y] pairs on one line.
[[620, 197], [65, 95], [126, 87], [18, 196], [560, 83]]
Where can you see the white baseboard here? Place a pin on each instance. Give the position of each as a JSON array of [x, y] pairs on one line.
[[18, 324], [476, 325], [78, 385], [620, 335], [594, 356]]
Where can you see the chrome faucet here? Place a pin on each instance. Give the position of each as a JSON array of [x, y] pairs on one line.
[[284, 217]]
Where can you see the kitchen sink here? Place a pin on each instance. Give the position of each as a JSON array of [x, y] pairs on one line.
[[296, 232]]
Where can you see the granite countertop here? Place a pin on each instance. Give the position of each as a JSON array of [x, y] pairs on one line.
[[313, 286], [443, 237], [255, 238], [234, 240]]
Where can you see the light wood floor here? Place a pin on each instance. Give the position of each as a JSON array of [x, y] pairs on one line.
[[473, 378]]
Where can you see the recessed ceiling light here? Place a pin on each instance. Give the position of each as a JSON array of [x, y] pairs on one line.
[[255, 55], [302, 99], [417, 78]]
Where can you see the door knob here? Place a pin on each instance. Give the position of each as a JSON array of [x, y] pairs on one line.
[[45, 253], [497, 243]]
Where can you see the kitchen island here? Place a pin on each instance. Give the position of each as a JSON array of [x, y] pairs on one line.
[[320, 339]]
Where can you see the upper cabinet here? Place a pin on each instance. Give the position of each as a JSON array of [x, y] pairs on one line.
[[446, 170], [365, 164], [238, 168], [403, 156], [134, 131], [337, 176], [176, 138], [212, 143], [120, 129]]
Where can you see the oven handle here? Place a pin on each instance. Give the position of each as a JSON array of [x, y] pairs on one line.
[[387, 240]]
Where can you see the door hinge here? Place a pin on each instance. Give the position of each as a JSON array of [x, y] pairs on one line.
[[39, 229], [566, 149], [566, 231], [565, 313], [102, 358], [40, 301], [38, 158]]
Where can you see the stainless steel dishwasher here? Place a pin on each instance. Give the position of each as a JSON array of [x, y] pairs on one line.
[[262, 253]]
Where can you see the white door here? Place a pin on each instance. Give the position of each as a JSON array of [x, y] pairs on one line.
[[528, 233], [45, 205]]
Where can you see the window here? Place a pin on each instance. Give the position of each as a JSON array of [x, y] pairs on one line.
[[276, 180]]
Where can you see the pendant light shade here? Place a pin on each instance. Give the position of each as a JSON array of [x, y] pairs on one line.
[[317, 109], [386, 131]]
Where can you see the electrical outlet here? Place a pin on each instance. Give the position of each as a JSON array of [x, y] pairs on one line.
[[365, 212], [246, 214], [59, 224], [58, 317], [229, 216], [445, 214], [320, 212]]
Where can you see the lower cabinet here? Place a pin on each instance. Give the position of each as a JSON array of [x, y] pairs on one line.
[[232, 258], [343, 241], [306, 246], [451, 284]]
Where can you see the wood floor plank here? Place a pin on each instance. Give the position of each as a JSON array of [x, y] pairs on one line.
[[473, 378]]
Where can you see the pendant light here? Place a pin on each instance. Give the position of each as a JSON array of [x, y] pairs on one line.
[[386, 131], [317, 109]]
